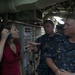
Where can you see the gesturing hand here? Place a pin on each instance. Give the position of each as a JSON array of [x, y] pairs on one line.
[[32, 45], [66, 72]]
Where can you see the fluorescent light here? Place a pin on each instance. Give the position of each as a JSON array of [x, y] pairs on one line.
[[48, 19], [59, 19]]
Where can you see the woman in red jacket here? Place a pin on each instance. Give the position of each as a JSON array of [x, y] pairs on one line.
[[9, 50]]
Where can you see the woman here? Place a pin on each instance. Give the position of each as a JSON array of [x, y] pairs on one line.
[[9, 50]]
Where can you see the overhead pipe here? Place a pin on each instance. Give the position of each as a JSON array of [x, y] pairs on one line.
[[12, 5]]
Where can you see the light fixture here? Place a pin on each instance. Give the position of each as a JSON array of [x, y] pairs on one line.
[[59, 19]]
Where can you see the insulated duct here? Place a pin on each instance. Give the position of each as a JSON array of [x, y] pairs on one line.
[[13, 5]]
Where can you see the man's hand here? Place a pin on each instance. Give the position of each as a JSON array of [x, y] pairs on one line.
[[32, 46], [66, 72], [59, 72]]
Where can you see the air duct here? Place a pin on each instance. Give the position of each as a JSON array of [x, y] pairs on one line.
[[13, 5]]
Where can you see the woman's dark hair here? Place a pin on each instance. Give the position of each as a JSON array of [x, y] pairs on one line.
[[48, 21], [8, 25]]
